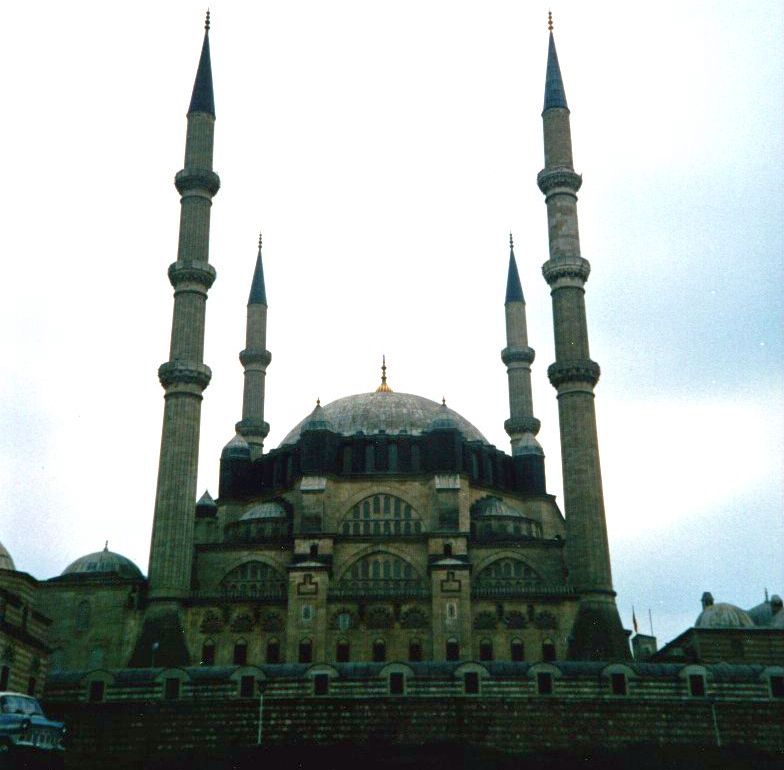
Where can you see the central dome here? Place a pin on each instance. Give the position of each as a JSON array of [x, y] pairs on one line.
[[387, 412]]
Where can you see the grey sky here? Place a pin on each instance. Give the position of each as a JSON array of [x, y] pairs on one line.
[[386, 150]]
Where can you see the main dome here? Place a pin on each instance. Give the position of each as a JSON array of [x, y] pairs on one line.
[[386, 412]]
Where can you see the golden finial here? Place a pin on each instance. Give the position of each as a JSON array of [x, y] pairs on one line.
[[318, 401], [259, 240], [383, 387], [207, 21], [511, 240], [550, 21]]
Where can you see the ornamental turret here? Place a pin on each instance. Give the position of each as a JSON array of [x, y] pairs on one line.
[[184, 377], [597, 632], [255, 359]]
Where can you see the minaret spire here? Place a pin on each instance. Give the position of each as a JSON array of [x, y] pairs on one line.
[[521, 426], [184, 377], [255, 359], [597, 632]]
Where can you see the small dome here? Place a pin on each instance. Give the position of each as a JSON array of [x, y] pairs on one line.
[[764, 614], [236, 448], [317, 420], [104, 562], [494, 506], [444, 419], [270, 510], [6, 562], [723, 616]]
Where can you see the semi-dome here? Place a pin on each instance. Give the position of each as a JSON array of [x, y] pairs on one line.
[[387, 412], [6, 562], [104, 562], [495, 506], [721, 615], [269, 510]]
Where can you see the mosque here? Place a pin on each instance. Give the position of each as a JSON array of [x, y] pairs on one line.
[[385, 547]]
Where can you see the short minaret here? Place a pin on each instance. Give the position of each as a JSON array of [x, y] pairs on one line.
[[521, 426], [597, 633], [184, 376], [255, 359]]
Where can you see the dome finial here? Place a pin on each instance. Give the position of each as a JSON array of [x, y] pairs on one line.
[[259, 241], [383, 387], [106, 546], [207, 21], [550, 21], [318, 401], [443, 400], [511, 240]]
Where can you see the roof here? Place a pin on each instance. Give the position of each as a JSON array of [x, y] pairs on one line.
[[554, 93], [386, 412], [202, 98]]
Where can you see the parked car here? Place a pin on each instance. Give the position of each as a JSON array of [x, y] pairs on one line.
[[26, 733]]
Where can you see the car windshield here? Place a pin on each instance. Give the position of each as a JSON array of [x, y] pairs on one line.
[[19, 704]]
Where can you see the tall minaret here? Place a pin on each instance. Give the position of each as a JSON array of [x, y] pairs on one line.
[[521, 426], [597, 633], [184, 376], [255, 359]]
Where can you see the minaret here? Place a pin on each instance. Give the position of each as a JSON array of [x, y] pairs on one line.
[[597, 632], [255, 359], [184, 376], [521, 426]]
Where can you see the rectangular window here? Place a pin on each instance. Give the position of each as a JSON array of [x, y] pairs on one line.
[[618, 684], [397, 684], [452, 650], [321, 684], [171, 689], [96, 692], [305, 652], [471, 683], [31, 685], [273, 652], [777, 686], [240, 654], [5, 675], [544, 683], [247, 686], [697, 685]]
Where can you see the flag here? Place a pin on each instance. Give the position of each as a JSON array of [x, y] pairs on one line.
[[634, 620]]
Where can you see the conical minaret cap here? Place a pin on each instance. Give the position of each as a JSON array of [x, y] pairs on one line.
[[258, 292], [554, 93], [514, 289], [202, 99]]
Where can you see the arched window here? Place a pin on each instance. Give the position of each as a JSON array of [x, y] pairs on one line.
[[381, 574], [240, 652], [452, 649], [82, 620], [548, 650], [415, 650], [306, 651], [382, 514], [517, 650], [379, 651], [253, 579], [486, 649], [208, 653], [506, 576], [342, 651], [273, 651]]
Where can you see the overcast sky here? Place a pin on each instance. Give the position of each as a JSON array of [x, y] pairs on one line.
[[386, 150]]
